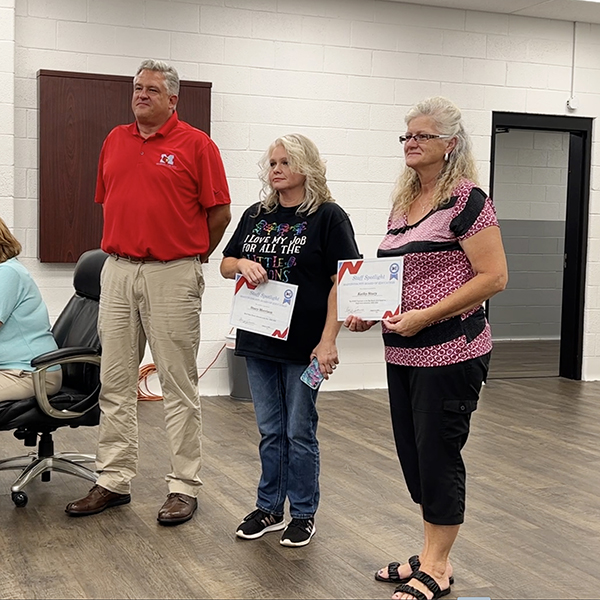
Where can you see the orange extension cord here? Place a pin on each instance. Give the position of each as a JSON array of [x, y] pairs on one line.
[[144, 392]]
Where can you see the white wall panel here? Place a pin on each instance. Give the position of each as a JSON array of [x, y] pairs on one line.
[[343, 72]]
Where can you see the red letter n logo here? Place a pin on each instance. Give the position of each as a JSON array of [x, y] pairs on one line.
[[241, 282], [351, 267]]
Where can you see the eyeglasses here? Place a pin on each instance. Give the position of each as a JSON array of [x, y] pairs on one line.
[[422, 137]]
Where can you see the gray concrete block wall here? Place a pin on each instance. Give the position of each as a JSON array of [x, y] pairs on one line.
[[530, 306]]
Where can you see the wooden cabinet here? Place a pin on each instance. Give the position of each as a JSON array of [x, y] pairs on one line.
[[76, 112]]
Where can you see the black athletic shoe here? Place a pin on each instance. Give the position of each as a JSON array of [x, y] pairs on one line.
[[298, 532], [257, 523]]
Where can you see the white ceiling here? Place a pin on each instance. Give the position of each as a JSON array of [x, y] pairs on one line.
[[587, 11]]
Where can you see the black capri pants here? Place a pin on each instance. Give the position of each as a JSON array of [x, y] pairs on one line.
[[431, 412]]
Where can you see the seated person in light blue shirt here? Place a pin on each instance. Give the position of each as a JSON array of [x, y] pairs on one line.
[[24, 325]]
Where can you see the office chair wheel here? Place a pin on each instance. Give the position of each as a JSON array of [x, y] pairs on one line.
[[20, 499]]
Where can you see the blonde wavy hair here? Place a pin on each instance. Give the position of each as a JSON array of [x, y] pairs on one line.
[[461, 162], [303, 158], [9, 244]]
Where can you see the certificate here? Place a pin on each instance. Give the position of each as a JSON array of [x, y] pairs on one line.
[[265, 309], [370, 289]]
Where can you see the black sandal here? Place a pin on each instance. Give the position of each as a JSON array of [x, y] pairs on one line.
[[393, 575], [426, 580]]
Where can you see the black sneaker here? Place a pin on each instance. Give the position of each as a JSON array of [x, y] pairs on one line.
[[257, 523], [298, 532]]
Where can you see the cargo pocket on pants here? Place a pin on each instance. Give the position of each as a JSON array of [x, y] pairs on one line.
[[457, 419]]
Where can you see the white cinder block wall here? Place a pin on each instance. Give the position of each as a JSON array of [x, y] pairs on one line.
[[530, 181], [7, 110], [343, 72]]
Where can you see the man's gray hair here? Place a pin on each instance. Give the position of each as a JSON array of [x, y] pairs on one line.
[[170, 73]]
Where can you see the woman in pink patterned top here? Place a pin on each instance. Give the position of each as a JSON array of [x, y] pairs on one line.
[[438, 349]]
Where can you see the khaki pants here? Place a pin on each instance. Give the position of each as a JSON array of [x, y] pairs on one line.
[[161, 303], [18, 385]]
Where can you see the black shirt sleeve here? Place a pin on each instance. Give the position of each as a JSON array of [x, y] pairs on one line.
[[234, 246], [339, 242]]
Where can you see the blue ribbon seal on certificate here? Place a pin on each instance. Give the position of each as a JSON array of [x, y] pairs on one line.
[[394, 268], [287, 296]]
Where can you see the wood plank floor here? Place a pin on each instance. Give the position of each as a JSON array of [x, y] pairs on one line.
[[512, 359], [532, 528]]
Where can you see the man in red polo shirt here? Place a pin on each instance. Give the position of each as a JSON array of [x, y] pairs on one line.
[[165, 198]]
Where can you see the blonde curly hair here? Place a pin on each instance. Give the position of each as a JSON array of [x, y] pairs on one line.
[[461, 162], [303, 158], [9, 244]]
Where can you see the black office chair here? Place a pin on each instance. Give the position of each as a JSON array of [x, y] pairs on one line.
[[76, 403]]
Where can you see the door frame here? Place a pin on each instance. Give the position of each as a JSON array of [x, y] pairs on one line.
[[576, 227]]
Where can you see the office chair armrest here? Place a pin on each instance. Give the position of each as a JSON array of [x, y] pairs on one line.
[[60, 357], [61, 353]]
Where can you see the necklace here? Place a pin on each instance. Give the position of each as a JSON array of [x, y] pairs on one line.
[[422, 207]]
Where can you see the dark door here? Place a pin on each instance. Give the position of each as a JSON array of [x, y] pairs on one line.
[[579, 132]]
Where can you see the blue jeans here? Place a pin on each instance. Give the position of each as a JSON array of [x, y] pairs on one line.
[[286, 415]]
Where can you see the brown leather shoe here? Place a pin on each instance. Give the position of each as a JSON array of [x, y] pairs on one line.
[[178, 508], [97, 500]]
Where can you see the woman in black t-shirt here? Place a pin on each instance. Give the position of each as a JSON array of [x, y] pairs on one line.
[[295, 234]]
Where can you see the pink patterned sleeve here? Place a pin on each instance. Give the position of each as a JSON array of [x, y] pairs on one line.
[[474, 211], [487, 218]]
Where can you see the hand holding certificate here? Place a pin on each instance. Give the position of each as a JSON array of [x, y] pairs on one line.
[[265, 309], [369, 289]]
